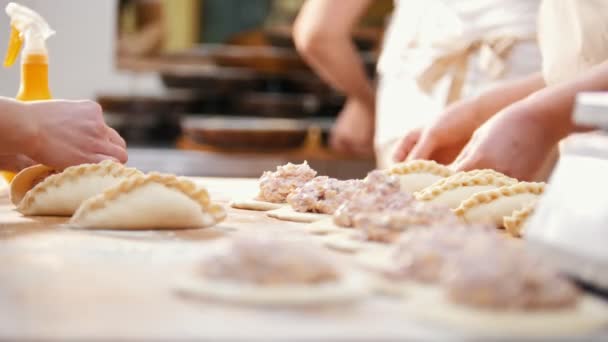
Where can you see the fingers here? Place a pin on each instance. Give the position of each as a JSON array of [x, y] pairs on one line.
[[115, 138], [423, 149], [116, 152], [406, 145]]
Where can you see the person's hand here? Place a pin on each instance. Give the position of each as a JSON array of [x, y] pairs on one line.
[[512, 142], [15, 163], [444, 138], [353, 132], [66, 133]]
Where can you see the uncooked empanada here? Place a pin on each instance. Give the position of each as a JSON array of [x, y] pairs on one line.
[[418, 174], [514, 224], [40, 190], [453, 190], [493, 205], [154, 201]]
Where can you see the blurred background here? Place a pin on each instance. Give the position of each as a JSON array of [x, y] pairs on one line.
[[200, 87]]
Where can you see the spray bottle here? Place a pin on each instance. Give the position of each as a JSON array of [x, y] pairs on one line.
[[30, 31]]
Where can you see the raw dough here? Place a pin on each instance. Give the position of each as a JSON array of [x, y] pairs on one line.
[[37, 191], [493, 205], [288, 214], [514, 224], [431, 304], [273, 272], [251, 204], [418, 174], [350, 289], [350, 244], [25, 180], [325, 226], [154, 201], [453, 190]]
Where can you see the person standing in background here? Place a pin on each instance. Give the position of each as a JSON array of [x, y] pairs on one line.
[[325, 40], [435, 52]]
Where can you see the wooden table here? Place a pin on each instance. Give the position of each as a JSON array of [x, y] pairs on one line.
[[62, 283]]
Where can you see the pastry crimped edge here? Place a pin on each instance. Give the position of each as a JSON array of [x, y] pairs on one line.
[[489, 196], [198, 194], [464, 179], [104, 168], [420, 166], [514, 223], [22, 183]]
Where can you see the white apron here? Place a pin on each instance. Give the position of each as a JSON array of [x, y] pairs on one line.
[[573, 37], [437, 51]]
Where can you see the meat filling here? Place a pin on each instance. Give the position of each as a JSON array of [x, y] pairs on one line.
[[323, 195], [378, 193], [276, 186], [502, 277], [272, 262], [386, 227]]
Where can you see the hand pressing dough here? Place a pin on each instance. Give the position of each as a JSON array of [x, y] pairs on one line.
[[288, 214], [453, 190], [493, 205], [419, 174], [514, 224], [40, 190], [251, 204], [433, 305], [154, 201]]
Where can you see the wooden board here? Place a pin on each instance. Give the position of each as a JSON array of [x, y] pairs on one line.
[[60, 283]]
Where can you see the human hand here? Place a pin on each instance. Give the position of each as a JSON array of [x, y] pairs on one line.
[[444, 138], [512, 142], [66, 133], [353, 132], [15, 163]]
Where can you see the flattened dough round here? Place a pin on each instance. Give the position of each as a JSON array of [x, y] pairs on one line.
[[590, 315], [251, 204], [351, 289], [288, 214]]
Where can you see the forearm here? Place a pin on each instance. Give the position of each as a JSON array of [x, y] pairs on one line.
[[552, 107], [325, 41], [496, 99], [340, 65], [15, 129]]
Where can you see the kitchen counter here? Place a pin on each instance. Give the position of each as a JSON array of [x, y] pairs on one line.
[[63, 283]]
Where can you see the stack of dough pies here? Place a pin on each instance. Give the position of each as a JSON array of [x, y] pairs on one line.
[[109, 195]]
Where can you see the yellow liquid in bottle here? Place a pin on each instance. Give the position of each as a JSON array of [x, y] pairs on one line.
[[34, 86]]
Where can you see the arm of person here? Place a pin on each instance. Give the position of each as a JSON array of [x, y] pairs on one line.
[[445, 137], [518, 139], [58, 133], [323, 35]]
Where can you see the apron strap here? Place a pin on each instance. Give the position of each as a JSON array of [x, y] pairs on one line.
[[493, 54]]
